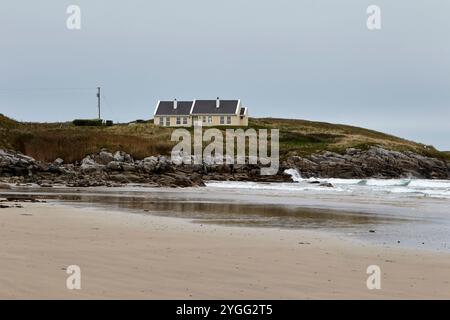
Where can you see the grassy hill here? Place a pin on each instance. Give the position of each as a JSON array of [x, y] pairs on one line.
[[6, 122], [48, 141]]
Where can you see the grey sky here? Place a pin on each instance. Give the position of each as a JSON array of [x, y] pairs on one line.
[[312, 60]]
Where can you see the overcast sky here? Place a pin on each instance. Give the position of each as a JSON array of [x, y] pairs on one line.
[[311, 59]]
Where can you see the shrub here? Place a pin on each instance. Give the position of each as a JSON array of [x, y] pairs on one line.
[[88, 122]]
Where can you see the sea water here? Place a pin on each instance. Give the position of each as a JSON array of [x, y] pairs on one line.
[[400, 187]]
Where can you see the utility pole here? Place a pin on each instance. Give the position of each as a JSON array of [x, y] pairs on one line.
[[98, 102]]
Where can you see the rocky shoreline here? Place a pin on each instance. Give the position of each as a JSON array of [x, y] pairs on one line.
[[375, 162], [115, 169]]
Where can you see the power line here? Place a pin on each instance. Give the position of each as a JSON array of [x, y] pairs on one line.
[[43, 89], [54, 89]]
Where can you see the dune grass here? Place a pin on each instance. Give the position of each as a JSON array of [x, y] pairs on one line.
[[48, 141]]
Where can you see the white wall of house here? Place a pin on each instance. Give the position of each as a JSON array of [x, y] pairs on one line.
[[207, 120], [173, 121]]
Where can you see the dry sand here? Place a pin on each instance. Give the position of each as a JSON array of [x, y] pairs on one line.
[[127, 255]]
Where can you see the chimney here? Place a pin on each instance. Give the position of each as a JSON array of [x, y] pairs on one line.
[[217, 102], [175, 104]]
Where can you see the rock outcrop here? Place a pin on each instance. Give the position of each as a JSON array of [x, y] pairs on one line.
[[114, 169], [375, 162]]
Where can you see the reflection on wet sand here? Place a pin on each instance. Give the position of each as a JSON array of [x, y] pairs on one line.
[[225, 212]]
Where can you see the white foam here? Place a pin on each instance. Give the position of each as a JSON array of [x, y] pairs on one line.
[[337, 181], [268, 186], [295, 175], [388, 182], [400, 187], [420, 183]]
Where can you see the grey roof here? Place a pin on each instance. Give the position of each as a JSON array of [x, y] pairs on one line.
[[165, 108], [209, 107]]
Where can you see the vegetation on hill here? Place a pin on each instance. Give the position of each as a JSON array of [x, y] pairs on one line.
[[48, 141], [6, 122]]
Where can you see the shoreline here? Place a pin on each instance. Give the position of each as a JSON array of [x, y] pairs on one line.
[[370, 217], [141, 256], [115, 168]]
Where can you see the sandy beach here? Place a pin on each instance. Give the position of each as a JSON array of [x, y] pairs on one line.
[[140, 256]]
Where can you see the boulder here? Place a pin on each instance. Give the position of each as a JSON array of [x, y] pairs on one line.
[[326, 184], [58, 162], [148, 166], [5, 186], [129, 167], [114, 166], [121, 178], [16, 164], [89, 165], [122, 156], [104, 157]]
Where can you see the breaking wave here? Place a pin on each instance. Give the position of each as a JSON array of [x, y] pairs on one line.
[[399, 187]]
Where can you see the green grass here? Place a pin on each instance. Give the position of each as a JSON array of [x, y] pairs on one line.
[[48, 141]]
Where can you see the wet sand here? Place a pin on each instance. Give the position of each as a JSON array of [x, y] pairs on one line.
[[140, 256], [386, 220]]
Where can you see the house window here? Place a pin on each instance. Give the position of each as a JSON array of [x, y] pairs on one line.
[[222, 120], [209, 119], [161, 121], [228, 120], [178, 120], [167, 121], [204, 119], [184, 120]]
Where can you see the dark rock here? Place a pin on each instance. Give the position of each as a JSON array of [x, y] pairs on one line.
[[114, 166], [104, 157], [326, 184], [375, 162], [5, 186], [121, 156], [121, 178], [90, 165], [114, 169], [129, 167], [58, 162], [55, 169]]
